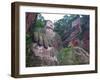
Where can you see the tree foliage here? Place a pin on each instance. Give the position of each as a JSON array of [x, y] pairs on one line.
[[64, 24]]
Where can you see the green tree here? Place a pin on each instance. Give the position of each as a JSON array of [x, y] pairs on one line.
[[64, 24]]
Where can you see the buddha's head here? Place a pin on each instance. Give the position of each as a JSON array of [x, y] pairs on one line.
[[49, 24]]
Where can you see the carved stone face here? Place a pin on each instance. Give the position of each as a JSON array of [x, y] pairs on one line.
[[49, 24], [49, 28]]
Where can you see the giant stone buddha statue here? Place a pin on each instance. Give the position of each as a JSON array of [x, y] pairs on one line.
[[46, 45]]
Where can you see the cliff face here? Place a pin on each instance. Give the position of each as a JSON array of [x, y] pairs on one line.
[[78, 34], [30, 20]]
